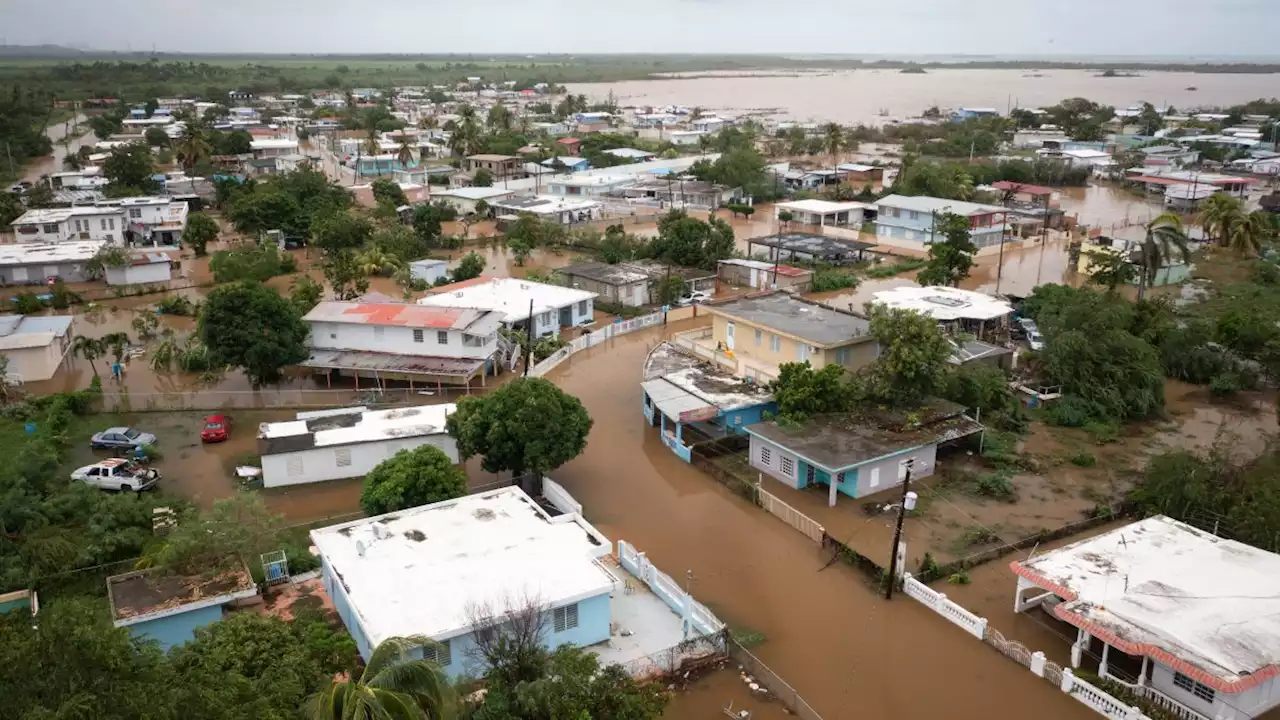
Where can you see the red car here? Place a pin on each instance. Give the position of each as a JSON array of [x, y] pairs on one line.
[[216, 428]]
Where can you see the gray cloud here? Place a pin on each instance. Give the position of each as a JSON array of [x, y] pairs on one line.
[[1195, 28]]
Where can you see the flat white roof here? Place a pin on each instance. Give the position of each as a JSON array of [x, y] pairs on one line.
[[924, 203], [944, 303], [474, 193], [507, 295], [359, 425], [48, 253], [822, 207], [1172, 592], [273, 144], [419, 571], [43, 216]]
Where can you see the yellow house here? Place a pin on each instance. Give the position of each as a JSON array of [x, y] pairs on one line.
[[762, 332]]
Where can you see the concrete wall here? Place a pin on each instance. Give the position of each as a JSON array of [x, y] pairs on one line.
[[32, 364], [777, 459], [342, 605], [632, 294], [37, 273], [107, 225], [176, 629], [753, 346], [891, 227], [396, 340], [139, 274], [860, 481], [320, 464], [884, 473]]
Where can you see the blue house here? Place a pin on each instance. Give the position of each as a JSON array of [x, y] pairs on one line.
[[568, 162], [25, 600], [690, 400], [168, 608], [915, 218], [454, 568], [974, 113], [857, 455]]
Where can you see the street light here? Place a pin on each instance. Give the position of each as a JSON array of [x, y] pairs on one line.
[[907, 504]]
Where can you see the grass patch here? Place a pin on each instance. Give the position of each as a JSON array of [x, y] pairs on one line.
[[746, 637], [1084, 459], [975, 535], [886, 270], [997, 485]]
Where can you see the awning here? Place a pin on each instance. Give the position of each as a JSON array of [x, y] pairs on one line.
[[678, 404], [388, 363]]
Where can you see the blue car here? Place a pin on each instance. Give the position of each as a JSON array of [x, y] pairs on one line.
[[121, 437]]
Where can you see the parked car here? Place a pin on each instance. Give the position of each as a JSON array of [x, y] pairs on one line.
[[1035, 340], [217, 428], [121, 437], [694, 298], [117, 474]]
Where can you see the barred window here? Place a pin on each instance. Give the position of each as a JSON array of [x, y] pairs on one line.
[[438, 653], [565, 618]]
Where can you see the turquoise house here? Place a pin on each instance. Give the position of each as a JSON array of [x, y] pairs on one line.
[[694, 401], [19, 600], [857, 455], [169, 608]]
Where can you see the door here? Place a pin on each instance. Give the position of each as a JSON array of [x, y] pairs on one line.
[[19, 274], [728, 335], [566, 316]]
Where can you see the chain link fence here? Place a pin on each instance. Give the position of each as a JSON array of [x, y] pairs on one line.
[[760, 674]]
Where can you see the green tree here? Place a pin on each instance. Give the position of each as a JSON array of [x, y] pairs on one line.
[[617, 246], [104, 126], [1150, 121], [90, 349], [1111, 269], [1249, 233], [913, 356], [129, 169], [427, 224], [305, 294], [1164, 237], [951, 257], [833, 139], [392, 686], [575, 686], [669, 290], [482, 178], [470, 266], [526, 426], [156, 137], [341, 231], [345, 276], [388, 191], [201, 230], [801, 391], [1218, 214], [411, 478], [248, 325]]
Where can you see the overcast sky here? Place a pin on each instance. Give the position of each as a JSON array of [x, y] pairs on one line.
[[1201, 28]]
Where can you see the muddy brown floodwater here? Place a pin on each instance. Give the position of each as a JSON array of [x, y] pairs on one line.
[[848, 652], [874, 96], [53, 163]]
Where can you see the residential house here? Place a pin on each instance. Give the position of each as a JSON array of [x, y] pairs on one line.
[[825, 212], [168, 608], [761, 275], [1185, 619], [695, 279], [501, 167], [630, 154], [1036, 139], [572, 146], [550, 307], [143, 268], [857, 455], [1158, 180], [862, 175], [690, 400], [382, 341], [563, 210], [152, 220], [273, 147], [1095, 252], [587, 185], [761, 332], [464, 199], [20, 600], [567, 163], [348, 442], [1022, 195], [802, 179], [38, 263], [429, 270], [914, 219], [679, 192], [1174, 155], [974, 113], [86, 178], [475, 559], [618, 283], [809, 246], [78, 224], [964, 311], [415, 193], [34, 345], [685, 138]]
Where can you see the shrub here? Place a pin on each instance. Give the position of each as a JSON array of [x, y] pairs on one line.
[[1103, 431], [996, 485], [886, 271], [959, 578], [177, 305], [1083, 459], [979, 535], [1070, 411], [1225, 383], [828, 279]]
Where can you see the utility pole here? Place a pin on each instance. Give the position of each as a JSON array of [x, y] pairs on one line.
[[666, 301], [528, 336], [1004, 229], [908, 503]]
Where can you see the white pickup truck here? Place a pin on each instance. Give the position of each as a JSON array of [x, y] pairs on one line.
[[117, 474]]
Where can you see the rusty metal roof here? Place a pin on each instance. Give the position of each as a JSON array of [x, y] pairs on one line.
[[387, 362], [476, 321]]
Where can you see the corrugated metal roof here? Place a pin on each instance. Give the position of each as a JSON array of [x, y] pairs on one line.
[[473, 320], [671, 400]]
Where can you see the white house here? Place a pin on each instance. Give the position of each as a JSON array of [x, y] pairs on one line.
[[914, 218], [449, 570], [825, 212], [35, 346], [563, 210], [429, 270], [1182, 617], [153, 220], [36, 263], [464, 199], [273, 147], [685, 137], [347, 442], [403, 342], [87, 222], [551, 306], [143, 268]]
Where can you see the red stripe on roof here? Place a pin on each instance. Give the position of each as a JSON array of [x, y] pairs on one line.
[[1022, 188], [418, 316]]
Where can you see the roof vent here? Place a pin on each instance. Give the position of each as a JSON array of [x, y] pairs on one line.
[[360, 548]]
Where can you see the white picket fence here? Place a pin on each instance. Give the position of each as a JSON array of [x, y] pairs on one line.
[[1094, 697], [791, 516], [592, 339], [700, 618]]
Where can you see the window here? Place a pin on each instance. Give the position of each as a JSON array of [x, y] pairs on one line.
[[1200, 690], [333, 336], [766, 457], [802, 352], [111, 223], [915, 215], [840, 478], [843, 355], [565, 618], [875, 477], [787, 465], [759, 335], [775, 343], [418, 336], [135, 213], [51, 229], [103, 221], [438, 653], [442, 337], [342, 457], [810, 475], [582, 308]]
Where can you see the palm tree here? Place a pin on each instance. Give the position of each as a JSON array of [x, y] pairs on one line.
[[833, 140], [391, 687], [375, 261], [1248, 232], [405, 153], [116, 342], [1165, 235], [1218, 214], [90, 349], [72, 161], [192, 147]]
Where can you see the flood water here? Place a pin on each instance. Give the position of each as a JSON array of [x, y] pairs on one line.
[[849, 653], [874, 96], [53, 163]]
